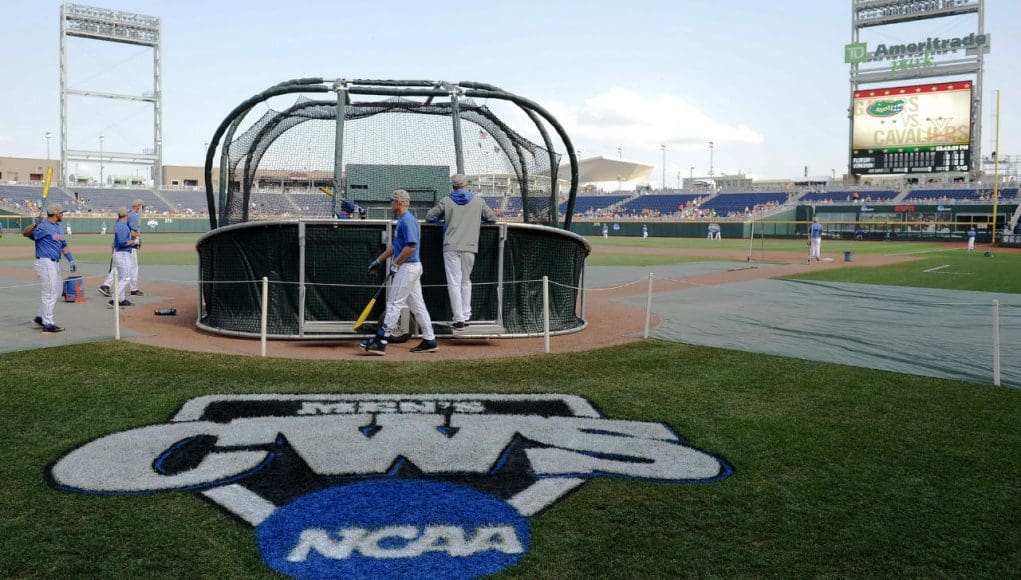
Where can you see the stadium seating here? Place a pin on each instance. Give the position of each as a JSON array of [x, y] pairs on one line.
[[958, 194], [183, 201], [727, 203], [585, 203], [20, 197], [877, 196], [664, 204], [107, 200]]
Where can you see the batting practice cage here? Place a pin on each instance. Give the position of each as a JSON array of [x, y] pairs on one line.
[[302, 198]]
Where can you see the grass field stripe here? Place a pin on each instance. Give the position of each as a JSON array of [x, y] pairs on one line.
[[242, 502], [937, 268], [537, 496], [914, 252]]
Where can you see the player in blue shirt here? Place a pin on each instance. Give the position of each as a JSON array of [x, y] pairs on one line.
[[971, 238], [50, 245], [406, 286], [133, 223], [123, 246], [815, 242]]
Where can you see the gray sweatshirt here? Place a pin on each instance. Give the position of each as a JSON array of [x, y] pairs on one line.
[[462, 213]]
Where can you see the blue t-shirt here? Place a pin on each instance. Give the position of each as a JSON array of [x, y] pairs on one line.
[[49, 240], [406, 234], [132, 220], [816, 231], [121, 237], [971, 233]]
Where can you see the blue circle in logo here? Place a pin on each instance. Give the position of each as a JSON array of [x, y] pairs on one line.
[[393, 528]]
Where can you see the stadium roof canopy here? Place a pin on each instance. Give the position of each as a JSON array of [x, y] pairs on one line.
[[605, 169]]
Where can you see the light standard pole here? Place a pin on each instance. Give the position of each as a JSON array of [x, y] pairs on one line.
[[663, 149], [100, 161], [48, 135], [620, 152], [710, 159]]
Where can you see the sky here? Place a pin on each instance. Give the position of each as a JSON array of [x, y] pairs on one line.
[[764, 81]]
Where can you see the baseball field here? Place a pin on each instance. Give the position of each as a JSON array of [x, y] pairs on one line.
[[837, 470]]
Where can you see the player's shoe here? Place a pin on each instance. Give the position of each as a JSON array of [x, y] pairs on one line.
[[122, 303], [137, 293], [38, 320], [374, 346], [459, 325], [53, 328], [105, 290], [426, 346]]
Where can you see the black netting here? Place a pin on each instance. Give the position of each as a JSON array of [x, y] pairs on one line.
[[282, 166], [234, 260]]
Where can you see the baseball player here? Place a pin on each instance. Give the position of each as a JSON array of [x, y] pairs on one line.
[[815, 233], [645, 231], [133, 223], [971, 238], [462, 213], [406, 285], [50, 244], [123, 244]]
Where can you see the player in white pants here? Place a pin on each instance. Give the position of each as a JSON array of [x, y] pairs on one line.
[[123, 256], [815, 235], [50, 245], [133, 224], [406, 285], [462, 213]]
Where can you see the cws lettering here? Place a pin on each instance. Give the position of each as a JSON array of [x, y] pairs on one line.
[[389, 485]]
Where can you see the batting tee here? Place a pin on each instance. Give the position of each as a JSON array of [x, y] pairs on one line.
[[284, 182]]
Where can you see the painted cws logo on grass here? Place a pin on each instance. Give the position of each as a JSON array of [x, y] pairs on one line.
[[383, 485]]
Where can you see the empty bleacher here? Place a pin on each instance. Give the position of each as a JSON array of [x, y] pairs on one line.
[[727, 203], [958, 194], [665, 204], [107, 200], [184, 201], [595, 203], [876, 196]]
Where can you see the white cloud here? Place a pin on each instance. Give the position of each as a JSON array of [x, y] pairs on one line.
[[640, 123]]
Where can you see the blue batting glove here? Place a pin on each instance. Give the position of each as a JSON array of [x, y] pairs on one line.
[[74, 266]]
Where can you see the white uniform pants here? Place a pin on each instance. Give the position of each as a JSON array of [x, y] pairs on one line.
[[971, 244], [813, 251], [125, 265], [48, 273], [458, 266], [133, 280], [406, 288]]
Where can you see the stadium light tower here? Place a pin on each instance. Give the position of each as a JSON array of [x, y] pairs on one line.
[[663, 149], [620, 152], [100, 161], [710, 159], [48, 135]]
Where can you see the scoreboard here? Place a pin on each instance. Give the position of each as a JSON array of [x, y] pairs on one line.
[[913, 129]]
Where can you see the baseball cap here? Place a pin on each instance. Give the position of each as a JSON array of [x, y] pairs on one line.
[[459, 180], [401, 196], [54, 209]]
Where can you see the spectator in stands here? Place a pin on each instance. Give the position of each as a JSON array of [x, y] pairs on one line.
[[971, 238], [462, 212]]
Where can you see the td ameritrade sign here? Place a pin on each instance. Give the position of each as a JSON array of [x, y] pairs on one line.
[[383, 486]]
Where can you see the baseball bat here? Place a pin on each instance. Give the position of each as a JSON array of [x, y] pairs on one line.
[[368, 307]]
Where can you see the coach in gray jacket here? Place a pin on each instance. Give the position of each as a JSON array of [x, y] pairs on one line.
[[462, 213]]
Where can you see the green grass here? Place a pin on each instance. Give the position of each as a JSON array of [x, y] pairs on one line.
[[839, 471], [962, 271], [645, 259], [150, 257], [774, 245]]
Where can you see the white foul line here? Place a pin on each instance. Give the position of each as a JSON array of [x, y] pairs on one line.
[[937, 268]]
